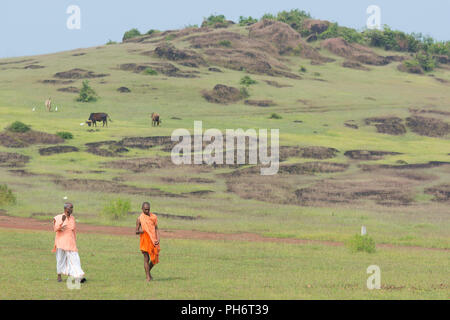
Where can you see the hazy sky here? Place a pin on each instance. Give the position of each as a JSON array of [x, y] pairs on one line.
[[29, 27]]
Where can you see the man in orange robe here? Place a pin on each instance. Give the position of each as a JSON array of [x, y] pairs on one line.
[[147, 228], [67, 258]]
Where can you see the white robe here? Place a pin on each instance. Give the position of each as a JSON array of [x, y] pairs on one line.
[[68, 263]]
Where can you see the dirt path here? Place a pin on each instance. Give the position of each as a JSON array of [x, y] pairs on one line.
[[10, 222]]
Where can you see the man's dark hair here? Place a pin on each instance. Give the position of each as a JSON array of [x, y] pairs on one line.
[[145, 204]]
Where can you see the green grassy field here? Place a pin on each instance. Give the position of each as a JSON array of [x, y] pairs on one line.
[[192, 269], [250, 203]]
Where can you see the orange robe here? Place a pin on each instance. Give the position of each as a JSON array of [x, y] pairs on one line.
[[148, 238], [65, 240]]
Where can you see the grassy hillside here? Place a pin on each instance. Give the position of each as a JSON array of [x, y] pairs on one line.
[[365, 145]]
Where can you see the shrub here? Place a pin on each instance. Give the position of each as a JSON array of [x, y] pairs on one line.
[[247, 81], [348, 34], [150, 71], [111, 42], [268, 16], [18, 126], [133, 33], [294, 18], [225, 43], [6, 195], [243, 21], [87, 94], [213, 20], [302, 69], [152, 31], [361, 243], [275, 116], [65, 135], [116, 209], [426, 61]]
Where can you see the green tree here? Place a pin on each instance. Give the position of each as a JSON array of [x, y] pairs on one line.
[[133, 33], [87, 94]]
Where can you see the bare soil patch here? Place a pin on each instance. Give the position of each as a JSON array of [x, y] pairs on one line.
[[276, 84], [212, 69], [165, 68], [34, 66], [260, 103], [187, 58], [78, 74], [109, 187], [355, 190], [106, 148], [8, 159], [388, 125], [441, 192], [186, 180], [314, 152], [70, 89], [431, 164], [315, 26], [56, 82], [285, 39], [222, 94], [353, 51], [368, 154], [430, 127], [354, 65], [440, 112], [351, 124], [123, 90], [25, 139], [57, 149]]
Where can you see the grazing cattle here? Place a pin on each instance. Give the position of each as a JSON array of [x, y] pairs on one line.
[[48, 104], [156, 120], [94, 117]]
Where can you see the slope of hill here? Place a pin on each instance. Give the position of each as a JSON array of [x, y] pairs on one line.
[[387, 131]]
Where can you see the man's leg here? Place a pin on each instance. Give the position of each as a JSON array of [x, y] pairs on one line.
[[147, 265]]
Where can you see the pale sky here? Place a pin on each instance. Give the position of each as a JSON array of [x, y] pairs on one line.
[[30, 27]]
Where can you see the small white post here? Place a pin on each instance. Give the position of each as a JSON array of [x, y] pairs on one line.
[[363, 230]]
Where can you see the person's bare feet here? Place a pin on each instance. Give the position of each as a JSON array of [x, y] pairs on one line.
[[59, 279]]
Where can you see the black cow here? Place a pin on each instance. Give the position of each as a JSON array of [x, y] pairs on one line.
[[94, 117]]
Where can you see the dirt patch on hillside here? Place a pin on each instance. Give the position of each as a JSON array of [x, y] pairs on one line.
[[8, 159], [25, 139], [56, 82], [212, 69], [186, 180], [34, 66], [78, 74], [106, 148], [260, 103], [351, 124], [314, 152], [146, 142], [17, 61], [388, 125], [222, 94], [276, 84], [383, 190], [315, 26], [57, 149], [441, 193], [440, 112], [70, 89], [285, 39], [167, 69], [431, 164], [353, 51], [368, 154], [187, 58], [109, 187], [354, 65], [123, 90], [430, 127]]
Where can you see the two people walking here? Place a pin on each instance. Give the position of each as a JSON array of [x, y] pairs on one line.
[[67, 258]]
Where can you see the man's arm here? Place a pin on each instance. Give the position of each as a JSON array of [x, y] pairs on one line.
[[157, 235], [60, 227], [138, 227]]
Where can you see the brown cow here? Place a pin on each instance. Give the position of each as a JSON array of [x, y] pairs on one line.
[[156, 120]]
